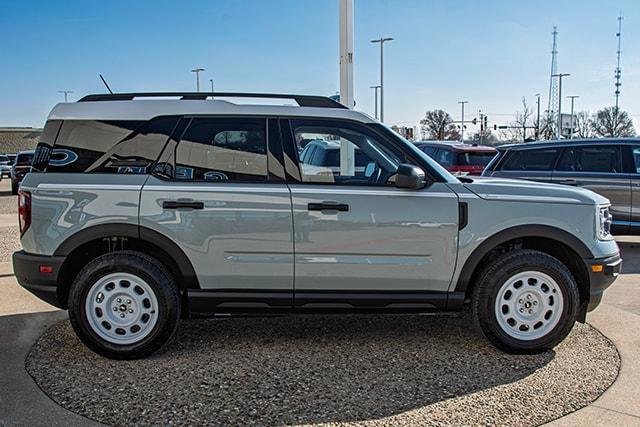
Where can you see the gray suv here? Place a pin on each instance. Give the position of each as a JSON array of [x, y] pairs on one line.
[[142, 209], [610, 167]]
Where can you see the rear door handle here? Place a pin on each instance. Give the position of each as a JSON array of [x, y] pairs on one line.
[[568, 181], [176, 204], [328, 206]]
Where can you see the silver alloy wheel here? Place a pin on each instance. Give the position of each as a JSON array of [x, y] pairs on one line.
[[121, 308], [529, 305]]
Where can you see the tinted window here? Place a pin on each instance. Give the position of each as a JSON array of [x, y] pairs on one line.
[[604, 158], [636, 158], [429, 151], [125, 147], [4, 158], [373, 163], [24, 159], [535, 160], [223, 149], [474, 158], [444, 157]]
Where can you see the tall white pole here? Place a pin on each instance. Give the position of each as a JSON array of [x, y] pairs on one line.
[[462, 127], [347, 155]]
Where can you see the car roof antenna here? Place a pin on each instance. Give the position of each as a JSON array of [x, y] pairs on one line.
[[105, 83]]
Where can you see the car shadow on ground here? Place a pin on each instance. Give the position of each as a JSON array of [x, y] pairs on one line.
[[630, 252], [283, 370]]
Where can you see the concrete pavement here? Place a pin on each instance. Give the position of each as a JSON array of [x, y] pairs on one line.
[[618, 318], [23, 318]]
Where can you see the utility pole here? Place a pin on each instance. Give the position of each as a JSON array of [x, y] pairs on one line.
[[560, 76], [553, 87], [347, 149], [211, 80], [197, 71], [375, 88], [462, 126], [65, 92], [538, 117], [481, 125], [382, 40], [572, 98]]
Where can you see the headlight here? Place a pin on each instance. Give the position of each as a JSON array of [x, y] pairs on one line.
[[603, 225]]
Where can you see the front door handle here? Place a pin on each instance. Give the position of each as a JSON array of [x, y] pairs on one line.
[[178, 204], [328, 206]]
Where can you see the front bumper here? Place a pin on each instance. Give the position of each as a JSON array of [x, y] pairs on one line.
[[602, 273], [44, 285]]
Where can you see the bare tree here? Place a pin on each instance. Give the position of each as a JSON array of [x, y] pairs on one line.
[[438, 124], [484, 138], [519, 128], [583, 125], [612, 122]]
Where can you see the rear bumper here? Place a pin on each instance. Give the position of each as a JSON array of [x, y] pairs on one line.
[[601, 280], [26, 267]]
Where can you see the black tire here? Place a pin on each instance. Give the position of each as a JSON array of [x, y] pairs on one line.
[[159, 280], [506, 266]]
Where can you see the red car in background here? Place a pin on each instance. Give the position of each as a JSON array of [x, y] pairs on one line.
[[458, 158]]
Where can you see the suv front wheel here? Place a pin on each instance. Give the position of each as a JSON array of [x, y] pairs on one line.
[[124, 305], [525, 301]]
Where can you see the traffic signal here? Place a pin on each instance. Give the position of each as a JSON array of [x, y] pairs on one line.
[[495, 127], [485, 123], [474, 121]]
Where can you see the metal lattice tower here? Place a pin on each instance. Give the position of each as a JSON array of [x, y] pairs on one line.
[[553, 82], [618, 72]]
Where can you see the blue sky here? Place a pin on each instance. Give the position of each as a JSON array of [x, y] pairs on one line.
[[491, 53]]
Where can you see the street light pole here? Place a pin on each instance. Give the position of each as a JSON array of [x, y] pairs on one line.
[[560, 76], [538, 118], [197, 71], [462, 127], [375, 88], [572, 97], [211, 80], [65, 92], [382, 40]]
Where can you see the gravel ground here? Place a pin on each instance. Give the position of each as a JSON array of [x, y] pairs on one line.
[[9, 242], [8, 203], [388, 370]]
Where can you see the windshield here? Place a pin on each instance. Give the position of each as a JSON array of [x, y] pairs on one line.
[[445, 174]]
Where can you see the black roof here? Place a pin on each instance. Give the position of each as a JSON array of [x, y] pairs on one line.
[[569, 142]]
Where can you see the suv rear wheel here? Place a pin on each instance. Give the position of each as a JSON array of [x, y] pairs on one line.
[[124, 305], [525, 301]]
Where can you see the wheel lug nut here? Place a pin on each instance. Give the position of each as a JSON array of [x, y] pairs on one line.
[[520, 301], [115, 308], [121, 314], [522, 310], [128, 301], [119, 300], [130, 311], [535, 303]]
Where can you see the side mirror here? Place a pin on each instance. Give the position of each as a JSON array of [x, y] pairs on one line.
[[410, 177]]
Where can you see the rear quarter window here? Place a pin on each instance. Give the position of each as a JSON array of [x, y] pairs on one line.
[[599, 159], [117, 147]]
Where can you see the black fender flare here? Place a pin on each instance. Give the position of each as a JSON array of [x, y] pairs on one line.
[[190, 280], [521, 231]]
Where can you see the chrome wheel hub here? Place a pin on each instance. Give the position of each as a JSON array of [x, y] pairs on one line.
[[121, 308], [529, 305]]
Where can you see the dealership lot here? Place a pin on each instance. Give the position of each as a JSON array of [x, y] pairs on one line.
[[302, 363]]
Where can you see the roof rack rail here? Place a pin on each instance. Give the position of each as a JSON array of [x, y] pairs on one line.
[[302, 100]]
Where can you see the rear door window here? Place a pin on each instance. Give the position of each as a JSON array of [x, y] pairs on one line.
[[596, 159], [531, 160], [223, 149], [636, 158]]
